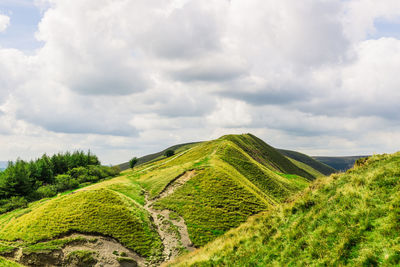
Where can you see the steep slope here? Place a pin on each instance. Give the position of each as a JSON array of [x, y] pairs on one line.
[[346, 219], [158, 210], [229, 185], [266, 154], [317, 165]]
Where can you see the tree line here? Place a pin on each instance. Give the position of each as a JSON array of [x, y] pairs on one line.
[[22, 181]]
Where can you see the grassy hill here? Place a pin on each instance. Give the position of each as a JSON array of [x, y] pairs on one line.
[[160, 209], [157, 156], [339, 163], [322, 168], [236, 176], [350, 218]]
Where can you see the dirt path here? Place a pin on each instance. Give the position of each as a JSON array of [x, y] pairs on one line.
[[173, 231]]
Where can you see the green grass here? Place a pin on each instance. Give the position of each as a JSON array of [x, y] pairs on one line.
[[307, 168], [161, 173], [347, 219], [279, 189], [100, 211], [6, 248], [235, 178], [7, 263], [211, 203], [308, 161], [53, 244], [266, 154], [229, 186], [132, 190]]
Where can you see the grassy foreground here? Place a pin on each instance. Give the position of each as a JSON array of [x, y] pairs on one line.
[[346, 219]]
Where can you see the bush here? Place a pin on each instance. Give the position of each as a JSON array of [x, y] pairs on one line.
[[46, 191], [78, 171], [133, 162], [13, 203], [169, 153], [66, 182]]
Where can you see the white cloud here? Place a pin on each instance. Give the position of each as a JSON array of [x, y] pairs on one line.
[[360, 16], [125, 77], [230, 114], [4, 22]]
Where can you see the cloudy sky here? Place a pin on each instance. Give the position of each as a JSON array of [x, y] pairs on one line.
[[126, 78]]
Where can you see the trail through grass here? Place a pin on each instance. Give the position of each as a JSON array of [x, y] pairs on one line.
[[347, 219]]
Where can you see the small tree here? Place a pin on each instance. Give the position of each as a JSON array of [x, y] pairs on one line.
[[169, 153], [133, 162]]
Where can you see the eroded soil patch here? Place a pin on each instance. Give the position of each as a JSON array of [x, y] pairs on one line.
[[170, 226], [87, 250]]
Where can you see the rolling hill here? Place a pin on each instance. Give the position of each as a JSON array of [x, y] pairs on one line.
[[157, 211], [318, 165], [349, 219]]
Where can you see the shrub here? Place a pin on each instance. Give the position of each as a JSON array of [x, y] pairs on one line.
[[169, 153], [13, 203], [66, 182], [46, 191], [133, 162], [78, 171]]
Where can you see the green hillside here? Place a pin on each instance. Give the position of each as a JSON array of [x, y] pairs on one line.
[[317, 165], [229, 185], [157, 156], [266, 154], [347, 219], [158, 210]]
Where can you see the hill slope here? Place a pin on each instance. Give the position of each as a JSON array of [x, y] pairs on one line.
[[157, 156], [229, 184], [158, 210], [323, 168], [346, 219]]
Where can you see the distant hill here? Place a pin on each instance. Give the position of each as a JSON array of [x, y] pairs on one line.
[[347, 219], [313, 162], [162, 208], [339, 163]]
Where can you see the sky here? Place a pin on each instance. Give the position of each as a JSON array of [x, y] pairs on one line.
[[127, 78]]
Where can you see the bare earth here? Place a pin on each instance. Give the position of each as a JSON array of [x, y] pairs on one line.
[[174, 242]]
